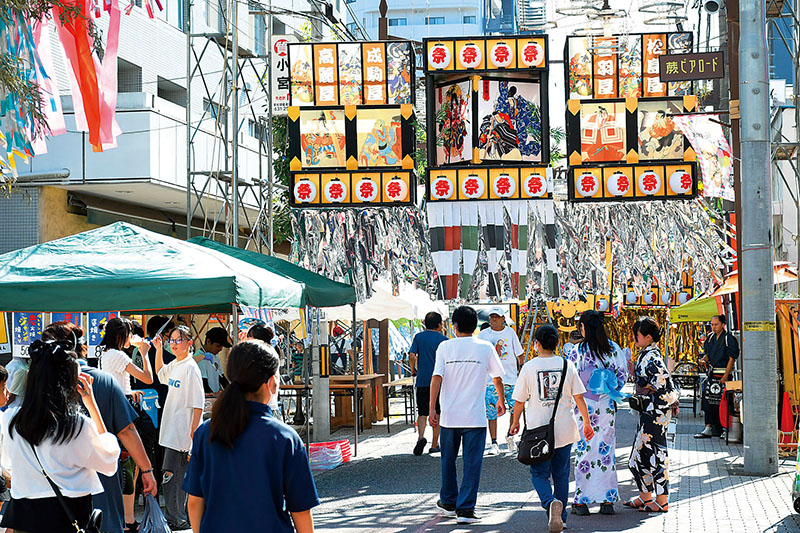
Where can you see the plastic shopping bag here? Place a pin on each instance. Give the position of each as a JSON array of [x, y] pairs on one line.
[[153, 520]]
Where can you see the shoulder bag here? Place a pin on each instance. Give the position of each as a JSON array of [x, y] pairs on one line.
[[95, 518], [538, 444]]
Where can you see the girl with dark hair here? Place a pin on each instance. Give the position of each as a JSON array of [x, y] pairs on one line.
[[48, 429], [656, 394], [244, 446], [117, 337], [603, 369]]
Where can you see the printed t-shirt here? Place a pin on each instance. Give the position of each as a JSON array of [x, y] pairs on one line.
[[424, 346], [538, 386], [185, 394], [508, 348], [464, 363]]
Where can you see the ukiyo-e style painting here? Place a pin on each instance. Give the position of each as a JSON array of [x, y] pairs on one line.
[[580, 68], [630, 66], [398, 59], [510, 121], [454, 123], [322, 138], [603, 131], [679, 43], [379, 138], [350, 74], [659, 137], [302, 76]]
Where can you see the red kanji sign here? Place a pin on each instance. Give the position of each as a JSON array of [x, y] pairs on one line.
[[503, 185], [649, 182], [439, 56], [367, 189], [502, 53], [470, 56], [686, 181], [394, 189], [471, 186], [535, 185], [532, 54], [335, 191], [442, 188], [588, 184], [304, 191]]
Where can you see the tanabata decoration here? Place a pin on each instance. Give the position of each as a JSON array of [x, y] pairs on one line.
[[713, 153]]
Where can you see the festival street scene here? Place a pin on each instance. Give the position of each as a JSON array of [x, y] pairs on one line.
[[399, 266]]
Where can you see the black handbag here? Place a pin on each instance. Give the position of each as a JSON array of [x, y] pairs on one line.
[[96, 516], [639, 402], [538, 444]]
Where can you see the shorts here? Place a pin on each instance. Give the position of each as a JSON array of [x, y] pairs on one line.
[[491, 400], [424, 402], [128, 468]]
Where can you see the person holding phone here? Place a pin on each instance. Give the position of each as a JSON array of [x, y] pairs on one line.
[[49, 429]]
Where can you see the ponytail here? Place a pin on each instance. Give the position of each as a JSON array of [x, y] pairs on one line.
[[250, 364]]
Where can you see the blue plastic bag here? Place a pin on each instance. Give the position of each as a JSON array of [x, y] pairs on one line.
[[153, 520]]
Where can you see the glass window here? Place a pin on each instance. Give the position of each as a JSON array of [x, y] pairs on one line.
[[398, 22], [469, 19], [434, 20]]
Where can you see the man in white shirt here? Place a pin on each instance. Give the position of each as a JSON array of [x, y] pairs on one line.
[[460, 372], [509, 350], [182, 413]]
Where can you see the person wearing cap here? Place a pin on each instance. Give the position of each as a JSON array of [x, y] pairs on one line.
[[208, 359], [509, 350]]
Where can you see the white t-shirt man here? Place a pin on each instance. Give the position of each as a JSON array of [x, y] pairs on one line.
[[508, 349], [115, 362], [464, 363], [538, 386], [185, 394]]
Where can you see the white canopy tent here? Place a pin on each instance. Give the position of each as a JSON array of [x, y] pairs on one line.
[[383, 304]]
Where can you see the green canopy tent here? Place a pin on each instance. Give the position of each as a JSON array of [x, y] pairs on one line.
[[122, 267], [318, 291], [697, 310]]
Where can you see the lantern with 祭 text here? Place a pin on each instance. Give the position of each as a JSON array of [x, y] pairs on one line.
[[470, 56], [619, 184], [532, 54], [680, 182], [630, 298], [683, 297], [649, 183], [649, 298], [588, 184], [442, 188], [666, 296], [504, 186], [602, 305], [501, 55], [366, 190], [305, 191], [535, 185], [473, 187], [439, 56], [396, 190], [335, 191]]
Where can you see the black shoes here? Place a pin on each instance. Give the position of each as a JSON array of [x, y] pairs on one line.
[[607, 508], [420, 447], [447, 510], [467, 517], [580, 509]]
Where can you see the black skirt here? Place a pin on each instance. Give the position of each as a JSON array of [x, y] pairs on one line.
[[45, 515]]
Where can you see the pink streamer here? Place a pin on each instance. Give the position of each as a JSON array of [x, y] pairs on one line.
[[47, 86]]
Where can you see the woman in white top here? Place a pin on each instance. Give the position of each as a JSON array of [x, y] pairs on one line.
[[71, 447]]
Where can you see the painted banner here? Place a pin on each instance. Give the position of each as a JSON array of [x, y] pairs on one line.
[[713, 153], [97, 323], [27, 327]]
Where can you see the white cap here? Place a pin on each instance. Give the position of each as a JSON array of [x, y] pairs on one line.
[[497, 310]]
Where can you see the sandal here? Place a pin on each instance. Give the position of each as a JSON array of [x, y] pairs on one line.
[[641, 504], [661, 509]]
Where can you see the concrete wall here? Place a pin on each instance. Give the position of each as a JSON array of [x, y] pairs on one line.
[[55, 222]]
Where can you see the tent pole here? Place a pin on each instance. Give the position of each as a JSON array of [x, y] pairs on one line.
[[235, 320], [355, 382]]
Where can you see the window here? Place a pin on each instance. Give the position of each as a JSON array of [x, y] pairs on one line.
[[172, 92], [398, 22], [212, 110], [469, 19], [182, 14], [256, 130], [260, 31], [129, 77], [431, 21]]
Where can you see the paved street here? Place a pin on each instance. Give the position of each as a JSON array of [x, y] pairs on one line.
[[388, 489]]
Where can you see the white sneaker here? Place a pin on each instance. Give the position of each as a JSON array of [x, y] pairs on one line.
[[555, 523], [512, 445], [494, 449]]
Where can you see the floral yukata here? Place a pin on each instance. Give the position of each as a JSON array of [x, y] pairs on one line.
[[649, 463], [595, 460]]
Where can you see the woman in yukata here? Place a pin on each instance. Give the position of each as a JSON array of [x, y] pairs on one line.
[[603, 368]]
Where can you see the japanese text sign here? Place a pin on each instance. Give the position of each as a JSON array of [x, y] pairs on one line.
[[489, 183], [96, 330], [685, 67], [27, 327], [480, 53], [349, 189]]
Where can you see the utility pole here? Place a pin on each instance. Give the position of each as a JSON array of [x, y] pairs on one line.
[[234, 22], [756, 260], [270, 177], [188, 29]]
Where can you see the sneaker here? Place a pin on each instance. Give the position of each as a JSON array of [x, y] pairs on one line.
[[512, 444], [705, 434], [420, 447], [447, 510], [494, 449], [467, 517], [554, 513]]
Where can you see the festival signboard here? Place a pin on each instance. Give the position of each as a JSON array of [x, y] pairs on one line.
[[352, 189], [519, 182], [27, 327], [97, 323]]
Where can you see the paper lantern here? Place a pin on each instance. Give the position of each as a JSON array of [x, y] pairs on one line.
[[602, 305], [619, 184], [649, 183], [473, 186], [680, 182], [630, 298], [335, 191], [439, 57], [650, 298], [532, 55], [504, 186], [396, 190], [666, 297], [501, 55], [683, 297], [588, 184], [442, 188], [535, 185], [470, 56], [366, 190], [305, 191]]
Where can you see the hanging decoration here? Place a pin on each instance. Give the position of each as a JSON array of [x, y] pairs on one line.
[[713, 153]]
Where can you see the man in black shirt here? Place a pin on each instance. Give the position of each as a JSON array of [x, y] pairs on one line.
[[721, 351]]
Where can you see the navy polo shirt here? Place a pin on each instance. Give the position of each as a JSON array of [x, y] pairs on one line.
[[424, 345], [117, 414], [256, 484]]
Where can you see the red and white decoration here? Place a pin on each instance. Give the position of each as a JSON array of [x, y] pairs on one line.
[[366, 190], [396, 190], [666, 297], [649, 183], [504, 186], [588, 185], [680, 182], [535, 185], [442, 188], [473, 186], [650, 298], [305, 191], [619, 184], [532, 55], [602, 305], [470, 56], [335, 192], [501, 55], [439, 57], [630, 298], [683, 297]]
